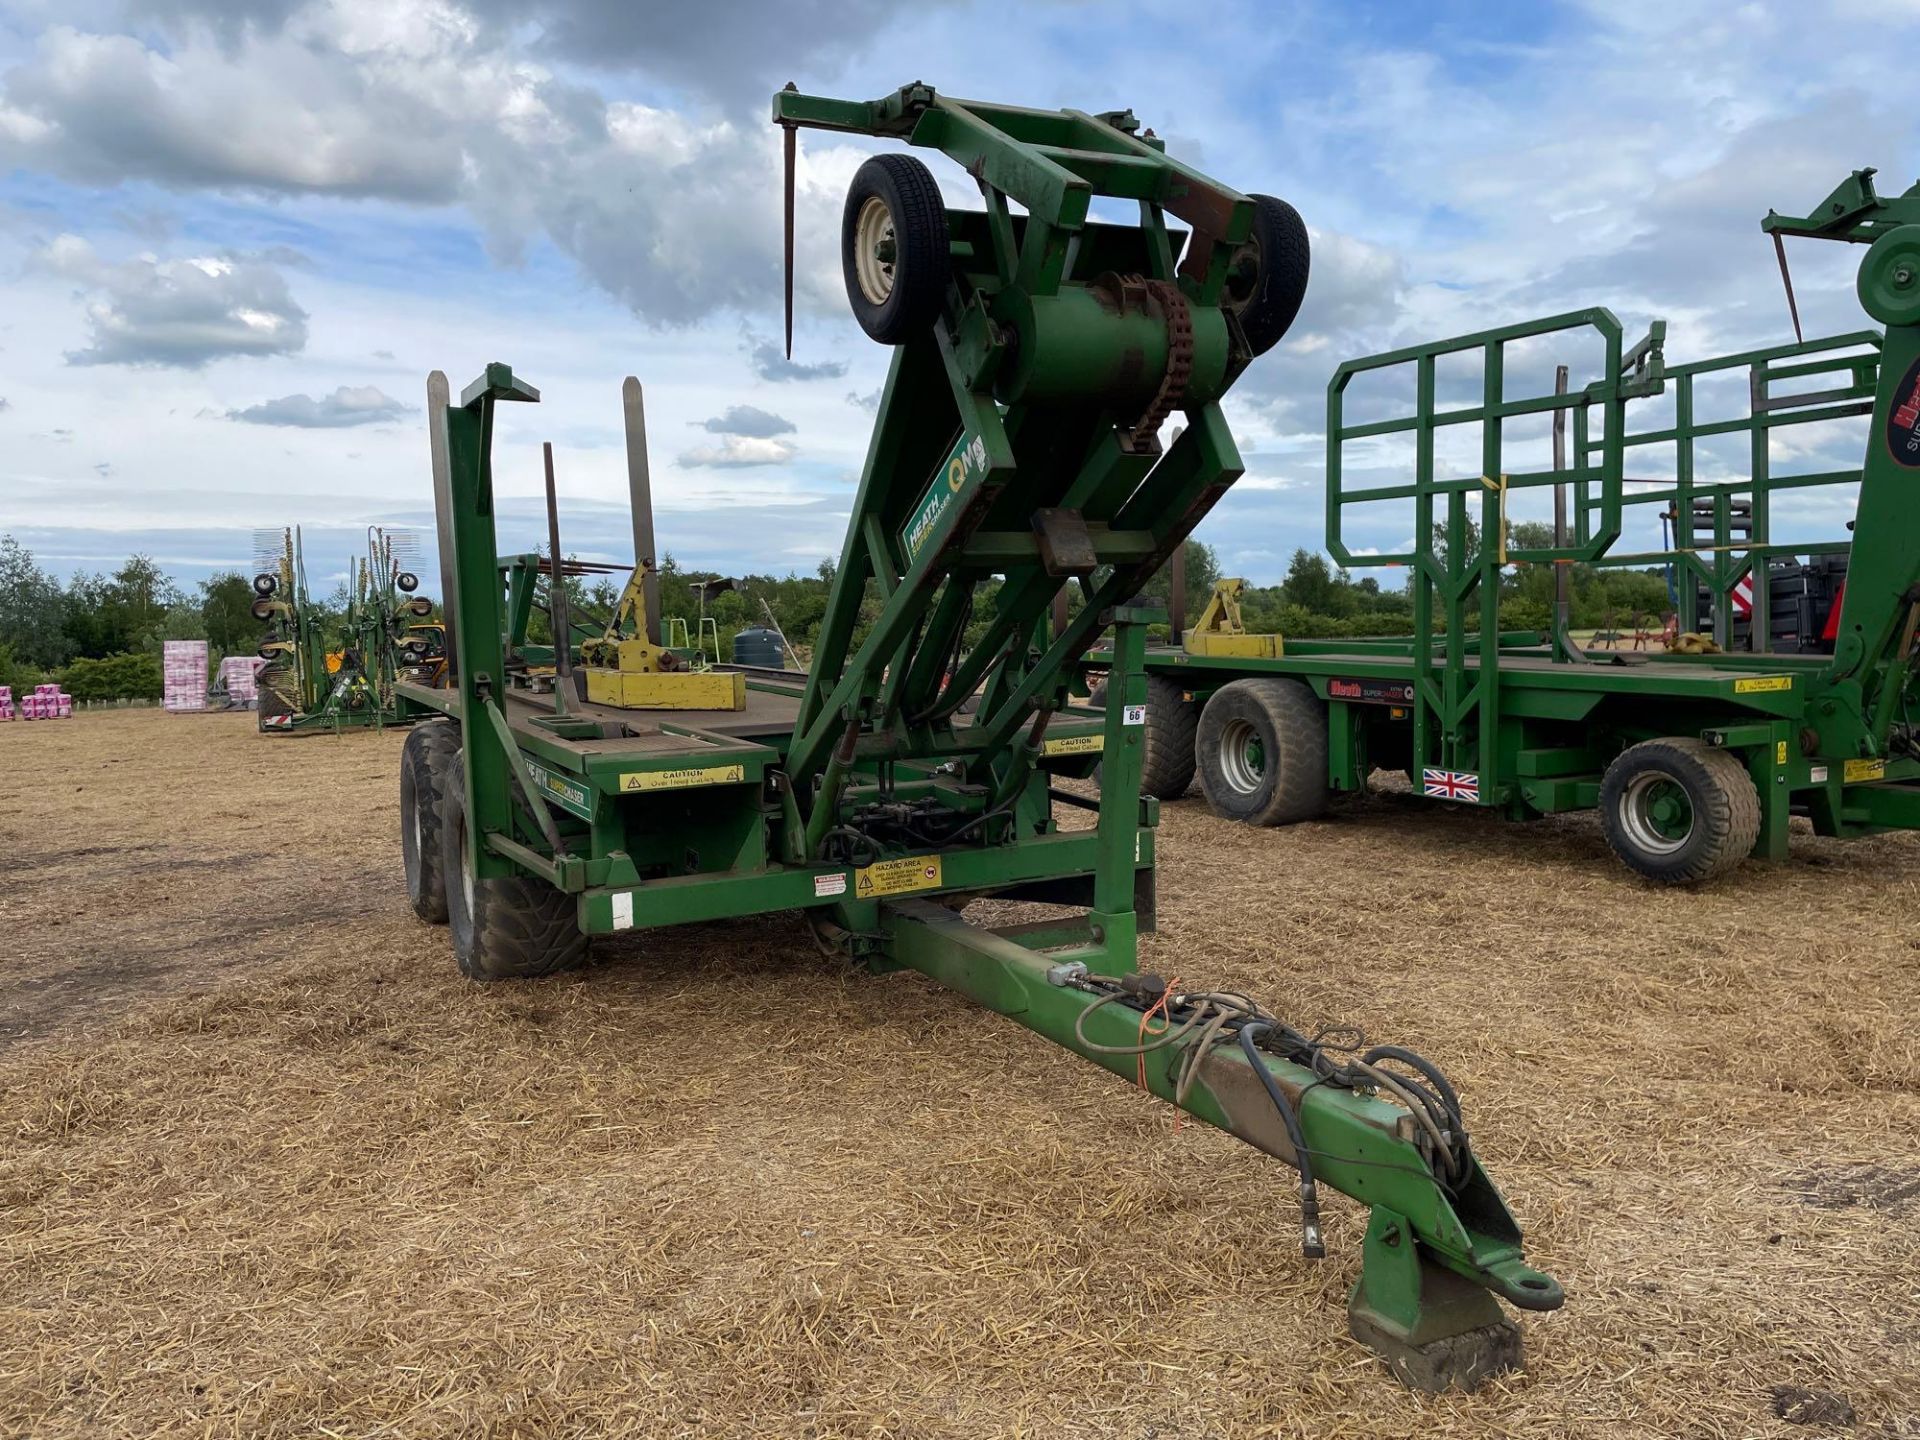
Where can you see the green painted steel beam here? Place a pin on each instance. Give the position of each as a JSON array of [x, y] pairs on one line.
[[1050, 191], [1359, 1144], [992, 549]]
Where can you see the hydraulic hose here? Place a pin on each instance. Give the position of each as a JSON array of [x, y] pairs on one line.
[[1311, 1245]]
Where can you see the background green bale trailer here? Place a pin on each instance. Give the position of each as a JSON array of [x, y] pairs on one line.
[[1694, 760], [1035, 357]]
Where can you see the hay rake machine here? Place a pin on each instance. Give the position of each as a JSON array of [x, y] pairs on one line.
[[1036, 354], [309, 685]]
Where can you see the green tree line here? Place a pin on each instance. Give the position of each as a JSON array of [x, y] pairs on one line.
[[99, 636], [1317, 600]]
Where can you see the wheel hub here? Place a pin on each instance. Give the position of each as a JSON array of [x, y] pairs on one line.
[[874, 250], [1243, 757], [1656, 813]]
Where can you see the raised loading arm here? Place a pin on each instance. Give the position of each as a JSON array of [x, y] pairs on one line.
[[1038, 356]]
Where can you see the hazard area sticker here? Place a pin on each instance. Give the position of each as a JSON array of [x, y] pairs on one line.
[[897, 877]]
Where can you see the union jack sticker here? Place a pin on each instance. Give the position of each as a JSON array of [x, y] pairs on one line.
[[1452, 785]]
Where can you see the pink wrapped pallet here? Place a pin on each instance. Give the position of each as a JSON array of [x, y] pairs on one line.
[[237, 673], [29, 707], [64, 702], [183, 674]]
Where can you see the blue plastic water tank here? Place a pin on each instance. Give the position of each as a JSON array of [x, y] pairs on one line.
[[759, 647]]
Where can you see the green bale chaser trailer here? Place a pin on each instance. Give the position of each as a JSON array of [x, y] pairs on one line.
[[1694, 760], [1036, 353]]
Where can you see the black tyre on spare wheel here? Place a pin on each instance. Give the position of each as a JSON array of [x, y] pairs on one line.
[[894, 248], [1262, 750], [1269, 278], [1679, 811], [426, 773], [508, 929], [1166, 757]]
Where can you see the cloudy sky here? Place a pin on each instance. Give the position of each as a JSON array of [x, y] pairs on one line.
[[237, 234]]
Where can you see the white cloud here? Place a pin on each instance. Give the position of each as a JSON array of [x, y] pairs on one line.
[[738, 50], [289, 117], [749, 420], [347, 406], [770, 362], [184, 313], [738, 452], [418, 102]]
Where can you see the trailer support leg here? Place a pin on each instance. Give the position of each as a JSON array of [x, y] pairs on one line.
[[1118, 826], [1767, 765], [1434, 1328]]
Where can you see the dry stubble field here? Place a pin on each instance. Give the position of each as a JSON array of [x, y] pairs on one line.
[[269, 1167]]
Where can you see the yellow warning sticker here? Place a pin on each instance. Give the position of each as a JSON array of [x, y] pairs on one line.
[[683, 779], [1074, 745], [896, 877], [1855, 771], [1779, 752], [1757, 684]]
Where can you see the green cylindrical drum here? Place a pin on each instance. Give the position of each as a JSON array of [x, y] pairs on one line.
[[1105, 343]]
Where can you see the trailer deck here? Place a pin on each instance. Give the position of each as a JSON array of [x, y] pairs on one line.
[[623, 735], [1757, 682]]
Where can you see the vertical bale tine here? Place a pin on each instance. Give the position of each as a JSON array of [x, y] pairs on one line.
[[557, 615], [1779, 253], [791, 143]]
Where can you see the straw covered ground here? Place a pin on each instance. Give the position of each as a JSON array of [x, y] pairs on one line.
[[268, 1167]]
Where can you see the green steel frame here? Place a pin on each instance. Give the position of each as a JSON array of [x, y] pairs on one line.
[[1528, 719], [1009, 444], [1734, 550], [1457, 698]]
